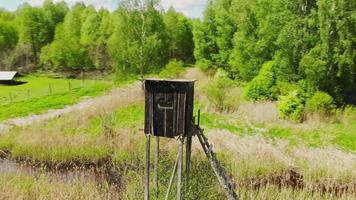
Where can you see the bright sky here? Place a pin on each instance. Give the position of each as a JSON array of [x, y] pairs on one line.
[[191, 8]]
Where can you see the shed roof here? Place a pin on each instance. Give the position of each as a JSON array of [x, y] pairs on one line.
[[7, 75], [169, 80]]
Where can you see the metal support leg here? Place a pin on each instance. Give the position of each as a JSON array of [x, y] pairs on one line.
[[172, 177], [147, 175], [188, 160], [156, 167], [180, 171]]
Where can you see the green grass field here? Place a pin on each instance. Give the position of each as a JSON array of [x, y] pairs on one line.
[[41, 86], [114, 136], [257, 155], [41, 93]]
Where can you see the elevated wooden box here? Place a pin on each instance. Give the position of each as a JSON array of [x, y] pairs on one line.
[[169, 107]]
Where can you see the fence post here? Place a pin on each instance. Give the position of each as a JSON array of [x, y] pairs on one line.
[[69, 86], [50, 89], [28, 94], [10, 95]]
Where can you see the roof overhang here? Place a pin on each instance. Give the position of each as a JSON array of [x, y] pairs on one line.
[[7, 75]]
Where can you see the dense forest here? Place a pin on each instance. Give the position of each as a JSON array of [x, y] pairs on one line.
[[275, 46], [273, 42], [133, 38]]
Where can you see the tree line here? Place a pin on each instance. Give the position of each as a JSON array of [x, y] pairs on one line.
[[273, 45], [278, 43], [137, 37]]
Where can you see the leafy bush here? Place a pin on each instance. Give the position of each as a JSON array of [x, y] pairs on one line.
[[218, 93], [204, 64], [173, 69], [320, 102], [263, 86], [284, 88], [291, 106], [220, 73]]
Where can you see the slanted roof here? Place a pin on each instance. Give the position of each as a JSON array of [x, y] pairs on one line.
[[170, 80], [7, 75]]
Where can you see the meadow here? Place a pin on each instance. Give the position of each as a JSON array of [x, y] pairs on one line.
[[39, 94], [267, 158], [275, 86]]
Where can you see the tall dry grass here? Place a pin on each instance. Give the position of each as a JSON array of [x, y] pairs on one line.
[[252, 158]]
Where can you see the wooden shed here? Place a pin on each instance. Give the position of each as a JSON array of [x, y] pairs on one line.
[[8, 77]]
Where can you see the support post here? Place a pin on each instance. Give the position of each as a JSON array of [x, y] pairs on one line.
[[147, 175], [188, 158], [172, 177], [156, 167], [180, 171]]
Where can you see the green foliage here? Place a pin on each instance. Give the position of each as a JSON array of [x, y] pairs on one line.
[[309, 41], [218, 93], [263, 86], [139, 39], [320, 102], [291, 106], [174, 69], [180, 36], [8, 36], [136, 38], [66, 52]]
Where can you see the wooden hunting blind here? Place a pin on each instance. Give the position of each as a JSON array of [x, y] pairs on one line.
[[169, 107], [169, 113]]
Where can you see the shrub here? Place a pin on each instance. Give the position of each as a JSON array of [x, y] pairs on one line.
[[263, 86], [218, 94], [204, 64], [320, 102], [173, 69], [220, 73], [284, 88], [291, 106]]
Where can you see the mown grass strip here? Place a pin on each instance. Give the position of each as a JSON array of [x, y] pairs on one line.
[[56, 101]]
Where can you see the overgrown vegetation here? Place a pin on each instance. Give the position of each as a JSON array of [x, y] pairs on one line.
[[174, 69], [309, 41], [99, 138], [291, 106], [220, 92], [263, 86]]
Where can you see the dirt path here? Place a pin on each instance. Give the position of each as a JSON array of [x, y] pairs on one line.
[[116, 98]]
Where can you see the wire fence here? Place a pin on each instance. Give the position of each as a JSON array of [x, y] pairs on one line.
[[48, 89]]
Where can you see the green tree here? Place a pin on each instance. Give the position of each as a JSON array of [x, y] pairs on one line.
[[139, 40], [66, 51], [34, 30], [179, 31]]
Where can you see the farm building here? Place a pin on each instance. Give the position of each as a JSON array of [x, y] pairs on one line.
[[8, 77]]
